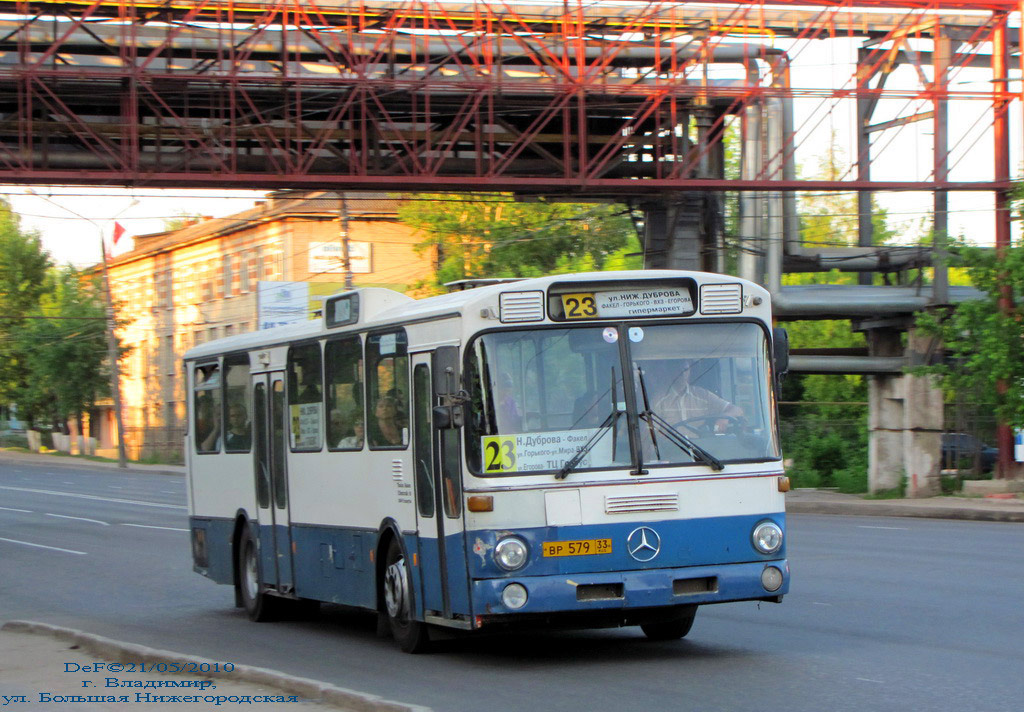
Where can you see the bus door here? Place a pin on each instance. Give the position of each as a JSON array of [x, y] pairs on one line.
[[442, 543], [269, 417]]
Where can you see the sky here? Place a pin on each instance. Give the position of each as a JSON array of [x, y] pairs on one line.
[[70, 218]]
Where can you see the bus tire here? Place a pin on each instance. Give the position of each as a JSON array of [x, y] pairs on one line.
[[259, 605], [411, 635], [672, 628]]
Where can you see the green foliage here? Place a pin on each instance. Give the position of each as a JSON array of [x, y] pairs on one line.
[[52, 331], [64, 345], [983, 342], [23, 268], [495, 236]]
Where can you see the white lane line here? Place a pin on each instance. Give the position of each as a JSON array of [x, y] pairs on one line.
[[149, 526], [77, 519], [115, 487], [94, 497], [43, 546], [895, 529], [12, 509], [868, 679]]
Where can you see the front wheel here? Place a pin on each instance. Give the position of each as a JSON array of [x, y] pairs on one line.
[[410, 634], [259, 605], [672, 628]]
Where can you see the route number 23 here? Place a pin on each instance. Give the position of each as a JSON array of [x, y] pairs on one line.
[[579, 306], [499, 455]]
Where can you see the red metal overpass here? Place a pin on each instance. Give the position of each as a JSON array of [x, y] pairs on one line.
[[593, 99]]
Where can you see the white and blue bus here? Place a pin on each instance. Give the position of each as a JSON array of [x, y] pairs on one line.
[[583, 450]]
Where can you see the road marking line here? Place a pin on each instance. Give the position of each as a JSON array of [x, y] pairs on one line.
[[94, 497], [867, 679], [895, 529], [148, 526], [43, 546], [816, 603], [79, 519], [12, 509]]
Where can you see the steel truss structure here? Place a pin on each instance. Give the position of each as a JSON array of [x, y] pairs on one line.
[[605, 98]]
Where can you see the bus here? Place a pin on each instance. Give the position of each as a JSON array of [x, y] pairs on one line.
[[578, 450]]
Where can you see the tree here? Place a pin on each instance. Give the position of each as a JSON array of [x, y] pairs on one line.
[[496, 236], [23, 268], [64, 345], [983, 342]]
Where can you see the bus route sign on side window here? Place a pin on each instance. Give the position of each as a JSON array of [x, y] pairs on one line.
[[659, 301]]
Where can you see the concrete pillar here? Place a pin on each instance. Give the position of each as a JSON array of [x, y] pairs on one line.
[[905, 423]]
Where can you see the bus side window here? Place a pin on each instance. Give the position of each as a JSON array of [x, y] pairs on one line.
[[305, 397], [237, 408], [206, 410], [343, 362], [388, 390]]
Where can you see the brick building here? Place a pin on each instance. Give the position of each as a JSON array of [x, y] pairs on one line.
[[206, 280]]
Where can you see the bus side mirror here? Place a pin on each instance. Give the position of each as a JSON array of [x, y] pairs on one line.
[[445, 366], [780, 351], [447, 417]]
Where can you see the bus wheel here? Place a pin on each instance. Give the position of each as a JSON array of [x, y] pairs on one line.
[[410, 634], [259, 605], [672, 628]]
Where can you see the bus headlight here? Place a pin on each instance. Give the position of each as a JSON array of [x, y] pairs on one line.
[[767, 537], [510, 553], [514, 596]]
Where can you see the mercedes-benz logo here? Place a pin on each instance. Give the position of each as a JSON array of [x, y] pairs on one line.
[[643, 543]]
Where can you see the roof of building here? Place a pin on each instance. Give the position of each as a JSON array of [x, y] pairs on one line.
[[322, 205]]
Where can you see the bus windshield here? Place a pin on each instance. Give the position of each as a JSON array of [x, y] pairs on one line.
[[691, 393]]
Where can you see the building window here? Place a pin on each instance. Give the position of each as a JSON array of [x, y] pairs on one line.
[[226, 276]]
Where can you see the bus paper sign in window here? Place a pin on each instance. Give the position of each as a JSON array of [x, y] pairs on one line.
[[528, 452], [670, 301]]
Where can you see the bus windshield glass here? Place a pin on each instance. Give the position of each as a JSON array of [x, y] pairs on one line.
[[541, 397]]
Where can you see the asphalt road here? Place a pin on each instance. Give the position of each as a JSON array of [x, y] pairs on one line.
[[884, 614]]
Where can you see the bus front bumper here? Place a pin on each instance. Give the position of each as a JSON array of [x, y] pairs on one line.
[[627, 590]]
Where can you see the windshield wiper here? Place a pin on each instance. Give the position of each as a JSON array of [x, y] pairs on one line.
[[681, 441], [609, 422], [656, 422], [573, 462]]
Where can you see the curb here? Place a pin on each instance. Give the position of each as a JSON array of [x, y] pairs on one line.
[[892, 509], [306, 688]]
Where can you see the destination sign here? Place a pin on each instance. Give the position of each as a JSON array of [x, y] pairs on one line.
[[659, 301]]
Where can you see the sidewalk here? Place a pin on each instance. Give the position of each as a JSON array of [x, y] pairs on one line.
[[76, 461], [810, 501], [56, 669]]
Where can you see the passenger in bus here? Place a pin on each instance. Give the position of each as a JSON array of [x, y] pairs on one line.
[[509, 417], [207, 425], [355, 440], [310, 391], [682, 402], [239, 431], [387, 427]]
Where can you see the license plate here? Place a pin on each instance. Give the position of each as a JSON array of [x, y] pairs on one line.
[[583, 547]]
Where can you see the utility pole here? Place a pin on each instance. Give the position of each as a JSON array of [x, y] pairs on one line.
[[346, 258], [115, 370]]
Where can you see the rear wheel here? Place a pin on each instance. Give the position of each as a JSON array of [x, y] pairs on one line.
[[410, 634], [672, 628], [259, 605]]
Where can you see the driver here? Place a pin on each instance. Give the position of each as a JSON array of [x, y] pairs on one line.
[[683, 401]]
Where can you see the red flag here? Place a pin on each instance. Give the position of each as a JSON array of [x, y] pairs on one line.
[[118, 232]]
